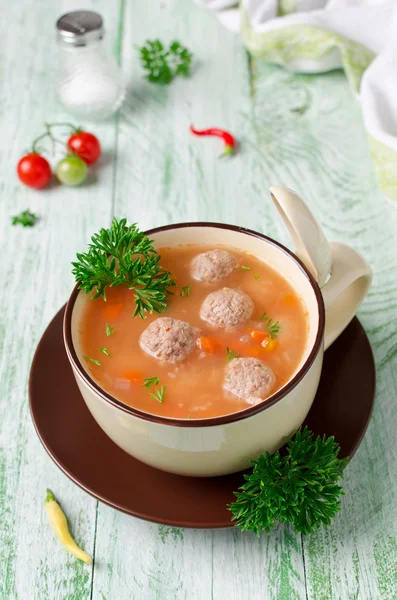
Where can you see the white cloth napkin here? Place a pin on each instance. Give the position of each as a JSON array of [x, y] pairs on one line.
[[309, 36]]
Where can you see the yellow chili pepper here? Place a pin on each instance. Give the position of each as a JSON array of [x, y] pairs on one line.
[[60, 525]]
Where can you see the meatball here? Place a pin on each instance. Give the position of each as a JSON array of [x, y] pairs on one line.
[[213, 265], [249, 378], [168, 339], [227, 308]]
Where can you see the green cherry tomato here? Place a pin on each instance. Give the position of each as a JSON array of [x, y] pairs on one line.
[[71, 170]]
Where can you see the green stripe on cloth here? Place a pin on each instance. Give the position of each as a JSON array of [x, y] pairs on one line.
[[286, 7], [385, 161], [296, 42]]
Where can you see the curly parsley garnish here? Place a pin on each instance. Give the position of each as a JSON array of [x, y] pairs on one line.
[[301, 487], [164, 64], [123, 255]]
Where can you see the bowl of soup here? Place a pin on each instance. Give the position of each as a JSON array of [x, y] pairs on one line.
[[227, 371], [231, 367]]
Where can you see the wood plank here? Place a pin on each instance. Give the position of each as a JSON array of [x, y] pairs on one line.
[[266, 568], [166, 175], [36, 269], [301, 131], [321, 151]]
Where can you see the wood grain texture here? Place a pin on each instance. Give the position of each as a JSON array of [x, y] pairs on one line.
[[36, 269], [302, 131]]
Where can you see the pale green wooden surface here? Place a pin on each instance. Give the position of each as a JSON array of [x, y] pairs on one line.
[[154, 172]]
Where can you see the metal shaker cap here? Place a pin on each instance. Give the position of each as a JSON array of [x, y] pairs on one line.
[[79, 28]]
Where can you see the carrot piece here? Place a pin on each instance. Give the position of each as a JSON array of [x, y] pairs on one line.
[[289, 299], [269, 345], [258, 336], [133, 376], [111, 311], [252, 351], [208, 344]]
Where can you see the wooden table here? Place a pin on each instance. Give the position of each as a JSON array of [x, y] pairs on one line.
[[302, 131]]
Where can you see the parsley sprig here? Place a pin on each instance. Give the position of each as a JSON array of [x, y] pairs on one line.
[[163, 64], [180, 58], [123, 255], [300, 487], [26, 218]]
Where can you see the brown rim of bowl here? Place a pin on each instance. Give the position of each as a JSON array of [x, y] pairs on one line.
[[211, 421]]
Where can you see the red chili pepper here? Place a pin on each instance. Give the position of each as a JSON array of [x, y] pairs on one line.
[[229, 140]]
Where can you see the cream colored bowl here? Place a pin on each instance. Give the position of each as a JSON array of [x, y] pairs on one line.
[[222, 445]]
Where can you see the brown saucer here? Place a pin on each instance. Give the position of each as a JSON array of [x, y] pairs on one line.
[[342, 407]]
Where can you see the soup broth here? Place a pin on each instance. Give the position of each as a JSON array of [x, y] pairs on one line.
[[195, 386]]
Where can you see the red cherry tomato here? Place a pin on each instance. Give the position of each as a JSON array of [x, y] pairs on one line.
[[34, 170], [86, 145]]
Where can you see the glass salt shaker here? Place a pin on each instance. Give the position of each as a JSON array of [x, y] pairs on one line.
[[90, 84]]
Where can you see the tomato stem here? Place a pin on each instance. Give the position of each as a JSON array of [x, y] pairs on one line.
[[36, 141], [72, 127], [48, 134]]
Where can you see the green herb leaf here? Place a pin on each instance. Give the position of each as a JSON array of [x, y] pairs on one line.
[[105, 351], [256, 277], [150, 381], [93, 360], [185, 291], [180, 59], [109, 330], [158, 394], [154, 60], [272, 327], [244, 268], [300, 487], [26, 218], [231, 354], [162, 64], [189, 416], [123, 255]]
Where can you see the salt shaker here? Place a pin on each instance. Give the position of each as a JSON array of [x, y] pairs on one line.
[[90, 84]]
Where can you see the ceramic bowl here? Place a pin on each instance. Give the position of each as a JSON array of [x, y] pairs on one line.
[[226, 444]]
